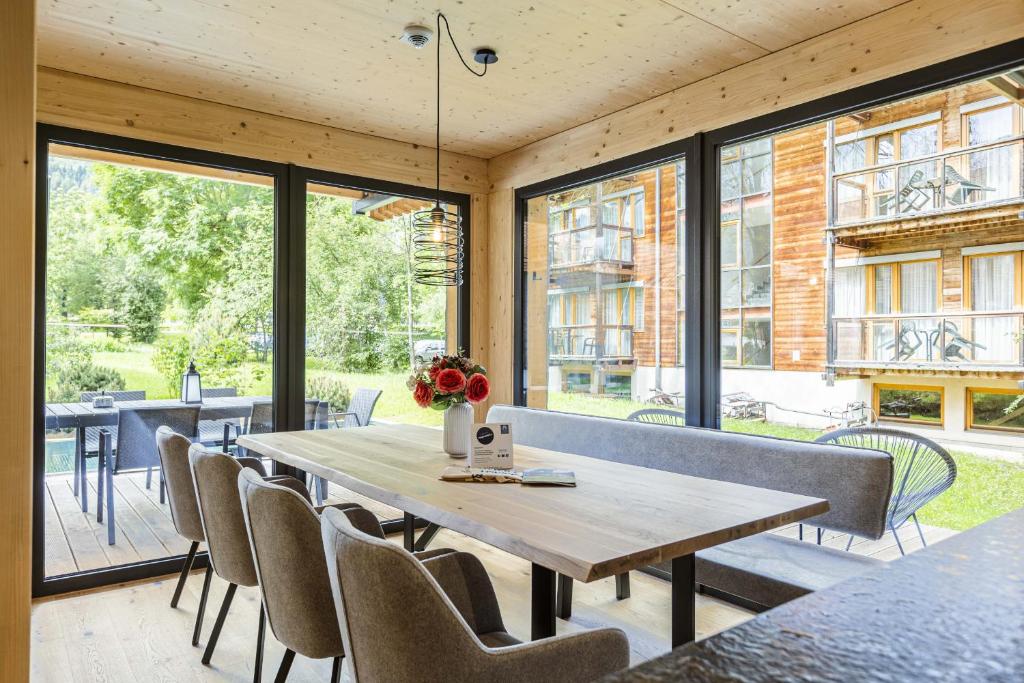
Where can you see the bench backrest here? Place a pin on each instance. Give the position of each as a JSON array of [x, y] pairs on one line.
[[856, 481]]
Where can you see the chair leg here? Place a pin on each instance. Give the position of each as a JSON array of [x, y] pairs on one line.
[[622, 586], [163, 488], [219, 624], [257, 670], [336, 670], [821, 532], [110, 496], [149, 478], [321, 489], [563, 597], [849, 543], [83, 484], [77, 483], [286, 665], [919, 532], [185, 569], [101, 468], [897, 537], [800, 528], [201, 611]]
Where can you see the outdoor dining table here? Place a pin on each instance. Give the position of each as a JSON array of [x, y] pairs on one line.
[[618, 518], [83, 414]]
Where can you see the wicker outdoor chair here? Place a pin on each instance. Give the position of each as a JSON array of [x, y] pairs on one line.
[[922, 470], [660, 416]]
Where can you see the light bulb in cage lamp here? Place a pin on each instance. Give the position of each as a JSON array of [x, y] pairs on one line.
[[437, 247], [191, 385]]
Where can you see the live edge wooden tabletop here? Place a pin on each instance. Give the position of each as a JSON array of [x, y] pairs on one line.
[[618, 517]]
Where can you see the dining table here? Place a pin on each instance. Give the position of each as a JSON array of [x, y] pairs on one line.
[[617, 517]]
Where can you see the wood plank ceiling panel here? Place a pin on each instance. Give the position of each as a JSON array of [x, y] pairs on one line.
[[342, 64]]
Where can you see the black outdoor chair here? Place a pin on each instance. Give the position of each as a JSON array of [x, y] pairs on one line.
[[359, 413], [220, 432], [660, 416], [87, 441], [136, 449], [922, 470]]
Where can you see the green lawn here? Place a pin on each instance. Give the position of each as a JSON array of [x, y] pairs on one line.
[[984, 488]]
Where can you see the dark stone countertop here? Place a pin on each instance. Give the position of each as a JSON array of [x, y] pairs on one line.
[[951, 612]]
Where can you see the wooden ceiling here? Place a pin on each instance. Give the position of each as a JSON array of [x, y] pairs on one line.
[[340, 62]]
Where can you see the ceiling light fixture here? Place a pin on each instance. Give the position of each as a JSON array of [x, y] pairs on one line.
[[438, 242]]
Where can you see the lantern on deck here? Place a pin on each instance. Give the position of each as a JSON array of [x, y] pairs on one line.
[[191, 385]]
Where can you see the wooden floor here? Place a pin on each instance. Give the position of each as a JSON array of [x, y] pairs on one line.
[[130, 633]]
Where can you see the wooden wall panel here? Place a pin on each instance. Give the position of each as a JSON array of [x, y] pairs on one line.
[[107, 107], [479, 285], [17, 168], [499, 295]]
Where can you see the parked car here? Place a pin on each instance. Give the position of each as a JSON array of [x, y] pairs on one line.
[[425, 349]]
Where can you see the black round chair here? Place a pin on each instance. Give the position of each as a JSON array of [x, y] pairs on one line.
[[659, 416]]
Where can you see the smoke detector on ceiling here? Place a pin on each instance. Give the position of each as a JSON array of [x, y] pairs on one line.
[[417, 36]]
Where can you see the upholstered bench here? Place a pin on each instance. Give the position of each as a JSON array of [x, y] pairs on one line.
[[760, 571]]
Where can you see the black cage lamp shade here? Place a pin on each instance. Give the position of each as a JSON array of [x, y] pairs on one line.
[[438, 247]]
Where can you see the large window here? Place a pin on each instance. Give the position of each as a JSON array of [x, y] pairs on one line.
[[995, 409], [605, 260]]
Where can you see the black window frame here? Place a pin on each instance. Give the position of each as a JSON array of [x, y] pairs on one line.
[[290, 183]]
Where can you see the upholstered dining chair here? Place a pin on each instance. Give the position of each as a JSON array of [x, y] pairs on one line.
[[438, 620], [284, 535], [181, 492], [216, 485]]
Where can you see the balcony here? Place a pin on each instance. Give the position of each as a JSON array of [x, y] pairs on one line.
[[613, 344], [981, 184], [595, 245], [973, 343]]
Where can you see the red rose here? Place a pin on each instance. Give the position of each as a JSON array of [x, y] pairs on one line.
[[450, 381], [432, 372], [477, 388], [423, 394]]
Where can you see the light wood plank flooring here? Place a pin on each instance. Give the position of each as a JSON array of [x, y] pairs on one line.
[[129, 632]]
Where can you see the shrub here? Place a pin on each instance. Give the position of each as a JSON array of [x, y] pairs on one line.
[[170, 358], [329, 389], [78, 377]]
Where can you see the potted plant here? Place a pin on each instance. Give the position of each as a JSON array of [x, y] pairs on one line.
[[452, 383]]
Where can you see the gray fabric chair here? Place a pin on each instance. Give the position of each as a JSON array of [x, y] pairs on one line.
[[403, 621], [87, 441], [181, 492], [922, 470], [284, 535], [360, 408], [220, 432], [215, 475], [136, 449]]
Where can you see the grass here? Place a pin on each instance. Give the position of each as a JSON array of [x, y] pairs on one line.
[[984, 488]]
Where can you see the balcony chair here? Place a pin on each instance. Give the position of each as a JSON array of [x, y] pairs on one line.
[[922, 470], [964, 186], [137, 449], [955, 343], [181, 492], [216, 488], [910, 196], [87, 440], [439, 620], [220, 432]]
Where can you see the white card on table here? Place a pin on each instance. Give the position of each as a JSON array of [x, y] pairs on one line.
[[491, 445]]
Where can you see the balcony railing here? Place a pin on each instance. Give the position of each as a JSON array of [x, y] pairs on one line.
[[582, 342], [965, 341], [937, 183], [591, 244]]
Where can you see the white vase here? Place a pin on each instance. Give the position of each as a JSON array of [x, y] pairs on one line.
[[458, 421]]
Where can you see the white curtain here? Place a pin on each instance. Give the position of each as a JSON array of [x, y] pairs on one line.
[[918, 287], [850, 292], [992, 290]]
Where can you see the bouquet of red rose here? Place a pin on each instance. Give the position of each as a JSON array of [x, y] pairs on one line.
[[448, 380]]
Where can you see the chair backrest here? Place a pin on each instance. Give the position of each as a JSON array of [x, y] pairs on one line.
[[855, 481], [284, 533], [219, 392], [216, 481], [261, 417], [922, 469], [181, 490], [311, 413], [87, 396], [396, 622], [136, 433], [362, 404], [659, 416]]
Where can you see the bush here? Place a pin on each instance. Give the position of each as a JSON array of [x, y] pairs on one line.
[[220, 360], [325, 388], [170, 358], [78, 377]]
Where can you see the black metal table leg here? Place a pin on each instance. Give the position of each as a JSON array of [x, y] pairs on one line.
[[563, 605], [684, 601], [542, 621], [409, 532]]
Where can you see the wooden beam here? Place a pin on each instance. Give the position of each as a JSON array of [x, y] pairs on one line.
[[94, 104], [1007, 88], [17, 202]]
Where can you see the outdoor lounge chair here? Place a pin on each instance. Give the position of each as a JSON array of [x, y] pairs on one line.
[[359, 413], [660, 416], [922, 470], [220, 432]]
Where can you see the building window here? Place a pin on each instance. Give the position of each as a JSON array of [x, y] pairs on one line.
[[997, 409], [993, 285], [576, 380], [626, 211], [620, 385], [746, 253], [913, 404]]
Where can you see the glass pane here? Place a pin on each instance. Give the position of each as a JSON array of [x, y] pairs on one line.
[[369, 324], [909, 404], [622, 350], [757, 242], [883, 289], [757, 342], [919, 142], [149, 265], [919, 287], [850, 156], [990, 126], [757, 174], [730, 180], [730, 245], [730, 289], [757, 287], [996, 409]]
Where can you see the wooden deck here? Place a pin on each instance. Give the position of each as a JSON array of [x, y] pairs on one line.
[[76, 542]]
